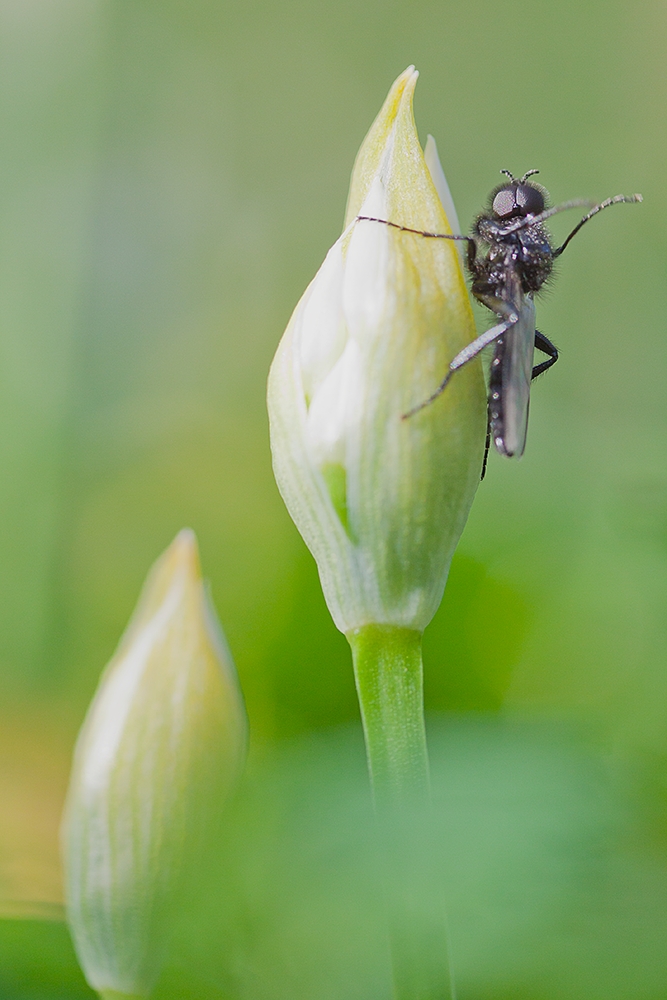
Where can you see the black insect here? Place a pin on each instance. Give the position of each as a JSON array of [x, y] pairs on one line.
[[510, 256]]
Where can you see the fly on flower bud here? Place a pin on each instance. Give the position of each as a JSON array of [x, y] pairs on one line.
[[161, 748], [381, 501]]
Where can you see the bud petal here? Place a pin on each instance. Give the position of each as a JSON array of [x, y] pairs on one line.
[[434, 165], [381, 501], [162, 745]]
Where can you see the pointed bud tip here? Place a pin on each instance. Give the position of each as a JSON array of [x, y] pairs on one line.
[[180, 559], [184, 545], [186, 538], [403, 86], [411, 81], [185, 550], [406, 75]]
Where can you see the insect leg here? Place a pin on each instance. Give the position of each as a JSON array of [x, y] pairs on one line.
[[473, 265], [543, 344], [617, 200], [487, 443], [463, 357], [421, 232], [471, 242]]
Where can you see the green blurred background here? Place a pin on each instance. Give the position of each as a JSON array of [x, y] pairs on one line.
[[171, 176]]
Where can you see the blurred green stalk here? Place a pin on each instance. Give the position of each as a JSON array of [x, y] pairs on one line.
[[389, 678], [113, 995]]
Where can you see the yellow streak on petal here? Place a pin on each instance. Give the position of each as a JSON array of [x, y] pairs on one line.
[[392, 151], [372, 148]]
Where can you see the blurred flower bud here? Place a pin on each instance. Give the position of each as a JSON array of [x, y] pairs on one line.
[[381, 501], [161, 748]]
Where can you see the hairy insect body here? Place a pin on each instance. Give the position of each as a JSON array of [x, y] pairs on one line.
[[505, 279], [510, 257], [527, 251]]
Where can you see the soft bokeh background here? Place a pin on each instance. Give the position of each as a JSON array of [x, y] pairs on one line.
[[171, 175]]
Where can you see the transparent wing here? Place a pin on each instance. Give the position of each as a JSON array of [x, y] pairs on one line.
[[516, 371]]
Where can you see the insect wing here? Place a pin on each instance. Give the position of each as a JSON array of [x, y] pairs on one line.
[[516, 372]]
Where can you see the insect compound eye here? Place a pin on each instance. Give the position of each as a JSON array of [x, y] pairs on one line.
[[505, 202], [529, 200]]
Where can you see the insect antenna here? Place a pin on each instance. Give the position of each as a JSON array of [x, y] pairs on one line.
[[536, 220], [528, 173], [619, 199], [508, 174]]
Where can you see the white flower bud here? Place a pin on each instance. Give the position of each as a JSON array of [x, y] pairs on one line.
[[381, 501], [161, 747]]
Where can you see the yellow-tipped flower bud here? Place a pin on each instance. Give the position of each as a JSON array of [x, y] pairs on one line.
[[380, 500], [162, 745]]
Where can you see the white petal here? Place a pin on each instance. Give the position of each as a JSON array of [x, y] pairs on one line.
[[366, 291], [335, 409], [442, 187], [321, 328], [111, 713]]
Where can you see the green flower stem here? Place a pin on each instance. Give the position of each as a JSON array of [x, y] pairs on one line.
[[389, 679], [115, 995]]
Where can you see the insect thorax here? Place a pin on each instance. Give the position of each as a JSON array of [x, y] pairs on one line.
[[527, 251]]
